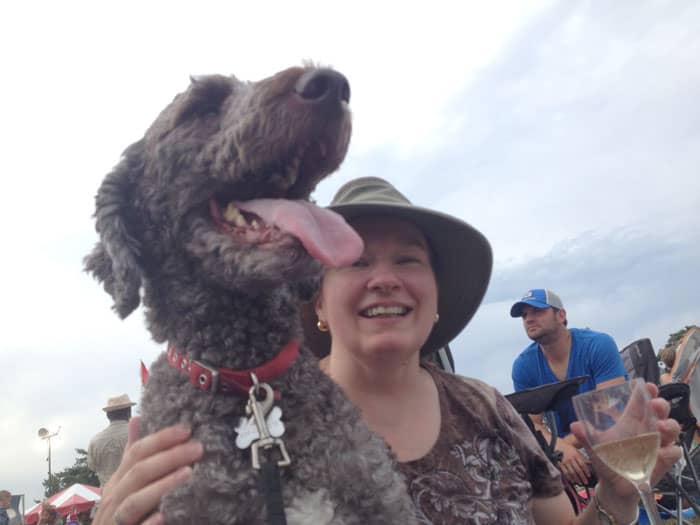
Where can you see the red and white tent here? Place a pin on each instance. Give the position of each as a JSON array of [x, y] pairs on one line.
[[76, 498]]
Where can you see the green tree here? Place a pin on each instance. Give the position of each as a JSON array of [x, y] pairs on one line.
[[676, 337], [78, 473], [51, 486]]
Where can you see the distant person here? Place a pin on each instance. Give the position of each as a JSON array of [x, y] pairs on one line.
[[558, 353], [48, 514], [668, 357], [106, 448], [5, 504], [8, 514]]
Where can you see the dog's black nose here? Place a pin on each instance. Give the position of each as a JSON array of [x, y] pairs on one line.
[[321, 85]]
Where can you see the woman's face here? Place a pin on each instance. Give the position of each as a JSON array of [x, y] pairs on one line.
[[387, 300]]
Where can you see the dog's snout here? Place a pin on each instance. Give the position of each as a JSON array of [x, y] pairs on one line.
[[321, 85]]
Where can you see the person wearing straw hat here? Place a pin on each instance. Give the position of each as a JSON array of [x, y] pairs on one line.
[[465, 452], [107, 447]]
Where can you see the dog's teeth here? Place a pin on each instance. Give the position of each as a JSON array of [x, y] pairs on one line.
[[231, 212], [234, 216], [255, 224]]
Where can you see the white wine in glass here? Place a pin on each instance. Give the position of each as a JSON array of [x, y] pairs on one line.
[[621, 427]]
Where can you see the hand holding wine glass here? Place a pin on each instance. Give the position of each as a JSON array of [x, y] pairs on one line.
[[621, 427]]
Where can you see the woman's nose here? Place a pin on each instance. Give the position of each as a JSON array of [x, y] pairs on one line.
[[383, 279]]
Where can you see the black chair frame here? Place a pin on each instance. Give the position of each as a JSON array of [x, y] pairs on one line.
[[678, 396], [544, 400]]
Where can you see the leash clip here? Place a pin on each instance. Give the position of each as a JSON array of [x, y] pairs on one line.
[[263, 427]]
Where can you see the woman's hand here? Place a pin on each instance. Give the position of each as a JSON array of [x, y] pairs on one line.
[[617, 488], [150, 467]]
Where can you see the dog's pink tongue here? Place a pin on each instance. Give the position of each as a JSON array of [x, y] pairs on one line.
[[324, 233]]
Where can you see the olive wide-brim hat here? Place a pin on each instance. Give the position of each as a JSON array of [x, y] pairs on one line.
[[462, 258]]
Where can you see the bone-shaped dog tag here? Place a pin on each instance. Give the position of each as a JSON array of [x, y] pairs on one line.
[[246, 432], [247, 428], [274, 422]]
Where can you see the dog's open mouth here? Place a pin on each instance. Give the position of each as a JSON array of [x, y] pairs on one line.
[[324, 234]]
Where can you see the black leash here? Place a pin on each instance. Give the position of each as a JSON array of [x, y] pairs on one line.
[[271, 486], [262, 431]]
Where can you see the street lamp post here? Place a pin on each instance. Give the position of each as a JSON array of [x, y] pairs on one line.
[[45, 434]]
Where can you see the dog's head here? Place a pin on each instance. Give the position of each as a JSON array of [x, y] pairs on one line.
[[219, 187]]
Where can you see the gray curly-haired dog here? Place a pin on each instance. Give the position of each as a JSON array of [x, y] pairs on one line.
[[207, 221]]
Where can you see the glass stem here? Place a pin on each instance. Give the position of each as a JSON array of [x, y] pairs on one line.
[[649, 503]]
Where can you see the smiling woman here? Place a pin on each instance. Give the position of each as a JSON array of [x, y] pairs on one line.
[[465, 453], [387, 300]]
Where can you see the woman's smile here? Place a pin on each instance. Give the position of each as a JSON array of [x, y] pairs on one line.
[[387, 300], [381, 311]]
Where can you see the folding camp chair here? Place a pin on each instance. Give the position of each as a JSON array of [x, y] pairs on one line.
[[685, 369], [640, 360], [443, 358], [544, 400], [684, 396], [682, 484]]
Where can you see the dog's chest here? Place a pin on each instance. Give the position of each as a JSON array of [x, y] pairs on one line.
[[339, 473]]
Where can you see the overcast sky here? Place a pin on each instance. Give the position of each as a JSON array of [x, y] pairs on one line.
[[567, 132]]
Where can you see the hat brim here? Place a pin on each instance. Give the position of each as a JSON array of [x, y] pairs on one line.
[[118, 407], [462, 270], [517, 309]]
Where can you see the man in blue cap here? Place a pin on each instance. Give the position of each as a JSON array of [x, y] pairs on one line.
[[558, 353]]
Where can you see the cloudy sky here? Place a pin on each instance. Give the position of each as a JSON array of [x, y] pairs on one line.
[[568, 132]]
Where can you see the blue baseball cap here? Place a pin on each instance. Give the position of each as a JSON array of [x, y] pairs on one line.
[[537, 298]]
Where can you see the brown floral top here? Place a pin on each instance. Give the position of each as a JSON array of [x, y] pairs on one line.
[[485, 467]]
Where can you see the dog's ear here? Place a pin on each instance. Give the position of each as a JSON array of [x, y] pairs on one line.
[[115, 259], [307, 289], [205, 95]]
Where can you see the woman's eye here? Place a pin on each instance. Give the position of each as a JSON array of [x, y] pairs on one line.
[[408, 260], [360, 263]]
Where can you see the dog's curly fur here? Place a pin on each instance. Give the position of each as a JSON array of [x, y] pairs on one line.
[[233, 303]]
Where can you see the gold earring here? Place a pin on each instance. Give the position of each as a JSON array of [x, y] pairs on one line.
[[322, 325], [437, 318]]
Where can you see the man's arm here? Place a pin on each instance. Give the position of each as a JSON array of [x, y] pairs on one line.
[[610, 382], [605, 363], [573, 463]]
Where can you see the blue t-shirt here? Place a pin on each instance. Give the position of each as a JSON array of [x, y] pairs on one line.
[[593, 354]]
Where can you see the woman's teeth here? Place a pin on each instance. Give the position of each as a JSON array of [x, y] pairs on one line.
[[376, 311]]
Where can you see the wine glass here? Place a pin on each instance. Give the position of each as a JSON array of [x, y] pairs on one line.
[[621, 427]]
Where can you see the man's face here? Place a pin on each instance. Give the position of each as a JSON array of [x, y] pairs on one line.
[[542, 323]]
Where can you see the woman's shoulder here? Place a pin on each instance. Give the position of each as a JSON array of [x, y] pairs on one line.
[[467, 391]]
